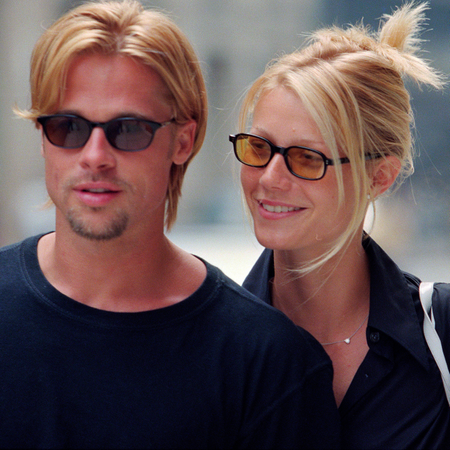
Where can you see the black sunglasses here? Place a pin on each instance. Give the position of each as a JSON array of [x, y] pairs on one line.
[[124, 133], [303, 162]]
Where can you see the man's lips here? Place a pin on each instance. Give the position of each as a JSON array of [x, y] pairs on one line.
[[96, 194], [97, 188]]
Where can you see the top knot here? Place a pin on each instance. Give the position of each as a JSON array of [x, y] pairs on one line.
[[398, 42]]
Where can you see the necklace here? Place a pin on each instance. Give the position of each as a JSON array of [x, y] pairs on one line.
[[347, 341]]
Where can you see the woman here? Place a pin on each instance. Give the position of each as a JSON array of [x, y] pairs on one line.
[[329, 132]]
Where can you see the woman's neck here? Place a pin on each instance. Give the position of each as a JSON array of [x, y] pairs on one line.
[[327, 301], [333, 304]]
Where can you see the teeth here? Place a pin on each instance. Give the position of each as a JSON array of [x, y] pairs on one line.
[[278, 209]]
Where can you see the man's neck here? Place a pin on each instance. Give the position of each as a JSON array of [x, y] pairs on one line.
[[120, 276]]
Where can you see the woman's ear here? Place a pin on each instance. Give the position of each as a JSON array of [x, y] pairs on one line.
[[385, 172], [184, 142]]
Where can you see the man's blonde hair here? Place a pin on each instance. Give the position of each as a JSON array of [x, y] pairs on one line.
[[125, 28]]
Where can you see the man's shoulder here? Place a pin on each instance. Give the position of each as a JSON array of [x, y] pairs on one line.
[[14, 256], [29, 241], [259, 323], [9, 251], [239, 298], [10, 255]]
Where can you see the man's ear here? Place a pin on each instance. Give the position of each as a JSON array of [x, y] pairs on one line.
[[384, 174], [42, 141], [184, 142]]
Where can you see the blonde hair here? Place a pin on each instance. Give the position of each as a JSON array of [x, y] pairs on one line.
[[114, 27], [351, 82]]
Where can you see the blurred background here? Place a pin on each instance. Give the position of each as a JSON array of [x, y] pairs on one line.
[[235, 39]]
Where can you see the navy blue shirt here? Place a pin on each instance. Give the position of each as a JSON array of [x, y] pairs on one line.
[[220, 369], [396, 399]]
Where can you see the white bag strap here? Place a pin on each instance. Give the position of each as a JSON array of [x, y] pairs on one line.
[[431, 336]]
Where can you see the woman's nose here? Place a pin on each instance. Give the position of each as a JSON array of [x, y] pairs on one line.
[[276, 174]]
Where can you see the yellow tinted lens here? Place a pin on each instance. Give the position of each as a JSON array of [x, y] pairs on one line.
[[253, 151], [306, 163]]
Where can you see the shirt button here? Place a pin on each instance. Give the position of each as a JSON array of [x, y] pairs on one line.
[[374, 336]]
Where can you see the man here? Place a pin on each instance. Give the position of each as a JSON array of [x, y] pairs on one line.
[[111, 336]]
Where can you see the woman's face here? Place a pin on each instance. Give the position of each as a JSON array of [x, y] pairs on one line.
[[291, 213]]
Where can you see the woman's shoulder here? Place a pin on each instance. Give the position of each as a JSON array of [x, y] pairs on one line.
[[441, 295], [441, 312], [441, 298]]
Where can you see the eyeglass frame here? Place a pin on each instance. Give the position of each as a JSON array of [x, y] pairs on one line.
[[283, 151], [155, 126]]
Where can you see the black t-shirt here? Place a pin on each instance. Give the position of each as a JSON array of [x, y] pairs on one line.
[[396, 399], [218, 370]]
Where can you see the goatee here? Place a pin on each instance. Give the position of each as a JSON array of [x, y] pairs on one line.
[[110, 230]]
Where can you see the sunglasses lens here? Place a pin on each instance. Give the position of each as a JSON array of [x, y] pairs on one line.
[[67, 132], [252, 150], [306, 163], [256, 152], [130, 134]]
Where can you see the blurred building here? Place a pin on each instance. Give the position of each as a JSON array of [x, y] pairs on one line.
[[235, 39]]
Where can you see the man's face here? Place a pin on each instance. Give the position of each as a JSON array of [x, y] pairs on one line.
[[99, 191]]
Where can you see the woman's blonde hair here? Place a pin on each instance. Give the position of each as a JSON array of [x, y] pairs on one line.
[[351, 82], [126, 28]]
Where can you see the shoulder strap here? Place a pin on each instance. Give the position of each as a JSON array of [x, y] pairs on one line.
[[431, 336]]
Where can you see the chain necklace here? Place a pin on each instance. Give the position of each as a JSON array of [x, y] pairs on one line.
[[347, 341]]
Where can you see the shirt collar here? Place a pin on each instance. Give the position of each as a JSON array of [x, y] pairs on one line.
[[394, 302]]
